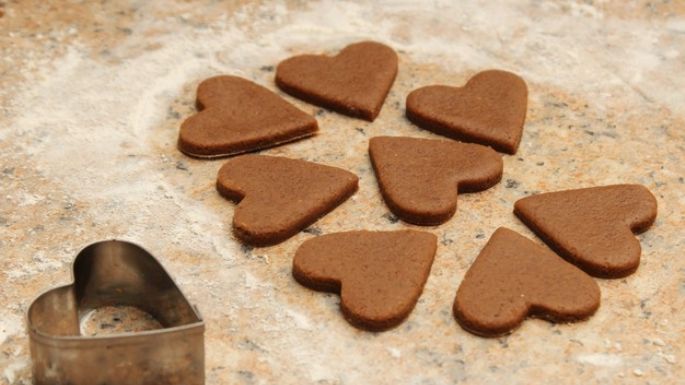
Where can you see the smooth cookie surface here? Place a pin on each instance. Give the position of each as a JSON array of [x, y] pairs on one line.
[[236, 116], [355, 82], [592, 228], [420, 178], [513, 278], [277, 197], [379, 275], [490, 109]]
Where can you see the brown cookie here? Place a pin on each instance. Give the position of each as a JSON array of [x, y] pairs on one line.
[[237, 116], [278, 196], [420, 178], [379, 275], [513, 278], [490, 109], [355, 82], [592, 227]]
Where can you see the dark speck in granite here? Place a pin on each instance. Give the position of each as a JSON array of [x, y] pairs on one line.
[[246, 375], [313, 230], [445, 240], [511, 183], [173, 114], [248, 344], [246, 249], [391, 217]]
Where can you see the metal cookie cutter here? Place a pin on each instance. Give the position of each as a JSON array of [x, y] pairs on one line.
[[116, 273]]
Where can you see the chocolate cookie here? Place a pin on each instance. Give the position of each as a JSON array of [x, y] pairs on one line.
[[355, 82], [278, 196], [236, 116], [379, 275], [420, 178], [490, 109], [513, 278], [592, 227]]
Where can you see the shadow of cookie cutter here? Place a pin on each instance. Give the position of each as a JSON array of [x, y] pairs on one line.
[[116, 273]]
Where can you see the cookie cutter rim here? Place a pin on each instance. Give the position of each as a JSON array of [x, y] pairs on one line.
[[40, 338]]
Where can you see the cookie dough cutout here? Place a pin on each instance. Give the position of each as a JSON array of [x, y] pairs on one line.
[[420, 178], [379, 275], [514, 278], [490, 109], [355, 82], [593, 228], [277, 197], [237, 116]]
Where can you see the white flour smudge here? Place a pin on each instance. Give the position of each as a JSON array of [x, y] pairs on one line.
[[600, 359], [81, 117]]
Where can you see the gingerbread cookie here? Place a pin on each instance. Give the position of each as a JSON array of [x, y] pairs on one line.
[[379, 275], [355, 82], [490, 109], [278, 196], [236, 116], [513, 278], [592, 227], [420, 178]]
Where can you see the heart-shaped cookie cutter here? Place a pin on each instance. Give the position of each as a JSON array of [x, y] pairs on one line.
[[116, 273]]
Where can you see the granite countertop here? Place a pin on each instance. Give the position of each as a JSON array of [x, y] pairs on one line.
[[92, 95]]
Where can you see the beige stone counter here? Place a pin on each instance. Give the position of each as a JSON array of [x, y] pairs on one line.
[[92, 95]]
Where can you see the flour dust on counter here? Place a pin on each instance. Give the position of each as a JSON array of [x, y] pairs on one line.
[[94, 94]]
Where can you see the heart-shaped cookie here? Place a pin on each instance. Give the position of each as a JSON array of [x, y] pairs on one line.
[[420, 178], [278, 196], [355, 82], [490, 109], [379, 275], [592, 227], [513, 278], [116, 273], [237, 116]]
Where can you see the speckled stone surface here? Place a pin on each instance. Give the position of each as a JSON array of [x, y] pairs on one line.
[[92, 95]]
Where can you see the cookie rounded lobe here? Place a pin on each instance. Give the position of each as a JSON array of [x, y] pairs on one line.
[[592, 228], [490, 109], [277, 197], [355, 82], [644, 209], [485, 324], [236, 115], [379, 275], [512, 279], [419, 179]]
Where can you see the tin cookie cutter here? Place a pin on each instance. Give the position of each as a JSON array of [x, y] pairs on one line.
[[116, 273]]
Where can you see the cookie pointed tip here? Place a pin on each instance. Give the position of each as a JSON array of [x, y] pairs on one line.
[[355, 82], [489, 109], [513, 278]]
